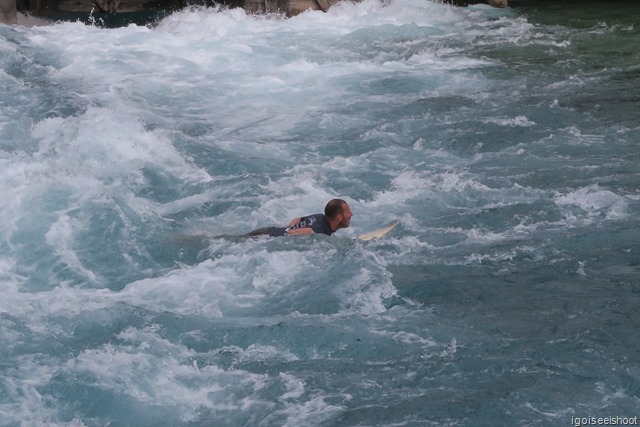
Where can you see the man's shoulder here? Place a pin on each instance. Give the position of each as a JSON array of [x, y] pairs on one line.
[[313, 218], [321, 225]]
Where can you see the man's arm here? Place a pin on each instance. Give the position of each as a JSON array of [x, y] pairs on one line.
[[300, 232], [293, 222]]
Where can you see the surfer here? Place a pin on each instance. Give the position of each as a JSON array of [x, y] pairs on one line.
[[337, 215]]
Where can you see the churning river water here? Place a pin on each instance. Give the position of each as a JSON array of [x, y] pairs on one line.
[[505, 141]]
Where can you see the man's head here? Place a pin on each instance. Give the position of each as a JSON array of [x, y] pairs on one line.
[[338, 213]]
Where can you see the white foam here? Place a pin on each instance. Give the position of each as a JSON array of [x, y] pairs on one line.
[[498, 256], [407, 185], [264, 353], [152, 370], [97, 158], [313, 411], [268, 276], [59, 236], [28, 406], [413, 339], [519, 121], [560, 415], [594, 202], [217, 23], [295, 387], [185, 203], [105, 142], [578, 137], [365, 293], [199, 290]]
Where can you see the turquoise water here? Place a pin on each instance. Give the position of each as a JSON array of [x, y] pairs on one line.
[[505, 141]]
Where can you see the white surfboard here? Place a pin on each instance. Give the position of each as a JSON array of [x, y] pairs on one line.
[[381, 232]]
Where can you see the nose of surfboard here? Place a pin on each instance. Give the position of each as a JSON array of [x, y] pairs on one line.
[[381, 232]]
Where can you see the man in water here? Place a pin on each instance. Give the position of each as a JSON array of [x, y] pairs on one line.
[[337, 215]]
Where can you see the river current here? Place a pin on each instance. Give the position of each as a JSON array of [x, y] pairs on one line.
[[505, 141]]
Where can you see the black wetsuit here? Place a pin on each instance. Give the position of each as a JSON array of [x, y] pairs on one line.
[[317, 222]]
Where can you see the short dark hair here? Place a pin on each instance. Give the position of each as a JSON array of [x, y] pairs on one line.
[[334, 208]]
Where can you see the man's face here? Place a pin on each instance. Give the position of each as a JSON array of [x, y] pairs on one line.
[[346, 216]]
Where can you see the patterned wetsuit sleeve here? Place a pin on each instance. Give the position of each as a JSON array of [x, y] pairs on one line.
[[277, 231], [322, 225], [305, 222], [318, 223]]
